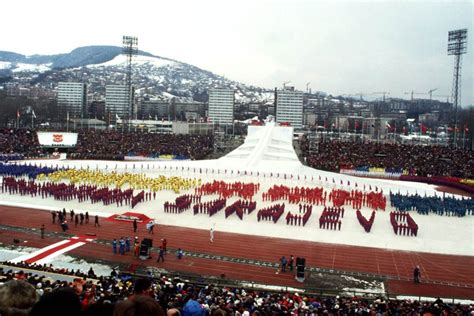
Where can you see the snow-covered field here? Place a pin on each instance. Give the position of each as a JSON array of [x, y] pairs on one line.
[[266, 151]]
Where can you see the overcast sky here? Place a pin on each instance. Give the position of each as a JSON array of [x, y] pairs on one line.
[[340, 47]]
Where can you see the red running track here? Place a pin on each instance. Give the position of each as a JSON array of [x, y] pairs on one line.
[[449, 272]]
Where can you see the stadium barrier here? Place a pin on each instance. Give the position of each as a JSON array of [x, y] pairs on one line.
[[404, 175], [449, 182], [371, 173], [132, 157]]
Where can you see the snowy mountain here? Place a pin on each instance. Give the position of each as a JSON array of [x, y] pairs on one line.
[[153, 76]]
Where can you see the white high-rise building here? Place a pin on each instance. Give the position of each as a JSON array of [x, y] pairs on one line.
[[289, 107], [72, 99], [221, 106], [118, 100]]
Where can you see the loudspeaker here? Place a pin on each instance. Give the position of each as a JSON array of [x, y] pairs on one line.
[[300, 262], [300, 266], [148, 241], [144, 249]]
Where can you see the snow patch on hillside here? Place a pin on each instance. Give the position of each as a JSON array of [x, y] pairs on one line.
[[21, 67], [121, 61]]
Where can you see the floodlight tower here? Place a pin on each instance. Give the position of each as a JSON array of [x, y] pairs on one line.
[[129, 49], [457, 46]]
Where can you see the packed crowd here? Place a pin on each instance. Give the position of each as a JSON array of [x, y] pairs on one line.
[[19, 141], [34, 294], [417, 160], [448, 206], [111, 144]]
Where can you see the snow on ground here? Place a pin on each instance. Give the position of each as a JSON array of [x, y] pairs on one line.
[[62, 261], [437, 234], [5, 64], [370, 288], [20, 67], [121, 60]]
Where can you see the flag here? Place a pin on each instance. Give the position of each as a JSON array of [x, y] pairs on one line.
[[33, 113], [466, 129], [17, 114], [117, 117], [388, 125]]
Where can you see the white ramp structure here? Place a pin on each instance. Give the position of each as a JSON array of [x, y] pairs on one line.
[[264, 146]]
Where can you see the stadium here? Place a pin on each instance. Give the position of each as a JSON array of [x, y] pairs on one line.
[[353, 241]]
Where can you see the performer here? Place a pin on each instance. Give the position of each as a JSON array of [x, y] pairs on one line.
[[211, 233]]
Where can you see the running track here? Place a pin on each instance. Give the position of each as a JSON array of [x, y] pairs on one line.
[[445, 275]]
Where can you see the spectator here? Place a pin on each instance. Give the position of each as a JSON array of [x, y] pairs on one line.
[[60, 302], [139, 306], [417, 160], [17, 298], [179, 253]]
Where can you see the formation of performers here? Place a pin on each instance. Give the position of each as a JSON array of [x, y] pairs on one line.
[[227, 190], [295, 219], [137, 181], [295, 195], [211, 208], [68, 192], [356, 198], [271, 213], [24, 170], [181, 204], [367, 224], [403, 224], [239, 207], [330, 218], [433, 204]]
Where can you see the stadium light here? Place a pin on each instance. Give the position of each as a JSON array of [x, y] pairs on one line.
[[457, 46], [129, 49]]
